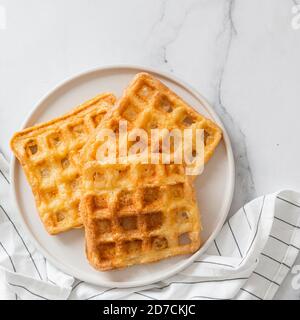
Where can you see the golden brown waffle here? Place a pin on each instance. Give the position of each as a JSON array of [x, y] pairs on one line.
[[148, 104], [49, 155], [138, 213]]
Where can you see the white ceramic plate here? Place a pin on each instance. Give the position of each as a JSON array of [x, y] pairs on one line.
[[66, 251]]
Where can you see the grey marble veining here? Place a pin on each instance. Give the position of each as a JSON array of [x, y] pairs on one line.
[[244, 184]]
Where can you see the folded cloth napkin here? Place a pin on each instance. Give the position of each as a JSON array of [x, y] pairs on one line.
[[249, 259]]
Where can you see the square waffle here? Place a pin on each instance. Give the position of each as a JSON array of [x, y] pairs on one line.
[[143, 214], [148, 104], [49, 155]]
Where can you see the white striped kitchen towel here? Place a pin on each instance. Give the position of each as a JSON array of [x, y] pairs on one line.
[[249, 259]]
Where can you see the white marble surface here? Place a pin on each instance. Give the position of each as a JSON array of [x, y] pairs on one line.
[[242, 55]]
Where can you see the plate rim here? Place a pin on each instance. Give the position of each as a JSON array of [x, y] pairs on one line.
[[225, 208]]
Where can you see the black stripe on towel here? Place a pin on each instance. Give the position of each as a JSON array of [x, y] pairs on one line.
[[209, 298], [4, 176], [246, 215], [271, 258], [290, 224], [197, 282], [262, 276], [252, 294], [235, 240], [99, 294], [219, 252], [77, 284], [11, 261], [256, 231], [287, 201], [217, 263], [13, 266], [8, 217], [22, 287], [144, 295], [288, 244]]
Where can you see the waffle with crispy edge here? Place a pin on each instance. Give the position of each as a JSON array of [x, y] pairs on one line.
[[49, 155], [138, 213], [148, 104]]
